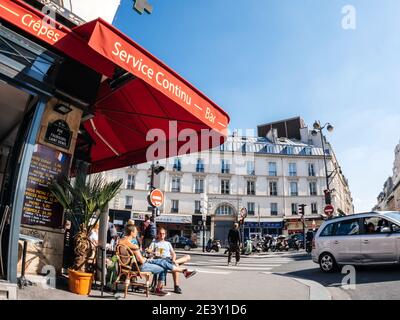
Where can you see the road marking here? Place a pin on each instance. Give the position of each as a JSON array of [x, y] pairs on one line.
[[212, 272], [246, 265], [255, 262], [234, 268]]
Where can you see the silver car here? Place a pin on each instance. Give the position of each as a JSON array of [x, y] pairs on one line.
[[358, 239]]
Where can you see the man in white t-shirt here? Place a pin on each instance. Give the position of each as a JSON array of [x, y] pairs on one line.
[[163, 249]]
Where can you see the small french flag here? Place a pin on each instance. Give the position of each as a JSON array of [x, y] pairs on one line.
[[60, 157]]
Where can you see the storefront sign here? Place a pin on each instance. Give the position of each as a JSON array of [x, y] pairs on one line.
[[59, 134], [135, 60], [40, 206], [174, 219], [264, 224], [31, 22]]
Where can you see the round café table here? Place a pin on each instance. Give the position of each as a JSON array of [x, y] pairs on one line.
[[22, 281]]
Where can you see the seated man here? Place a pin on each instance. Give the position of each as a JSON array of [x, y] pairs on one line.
[[155, 266], [164, 250]]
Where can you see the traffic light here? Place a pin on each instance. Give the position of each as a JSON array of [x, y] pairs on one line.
[[301, 209], [328, 198]]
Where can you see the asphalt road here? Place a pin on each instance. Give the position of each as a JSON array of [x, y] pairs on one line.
[[377, 283]]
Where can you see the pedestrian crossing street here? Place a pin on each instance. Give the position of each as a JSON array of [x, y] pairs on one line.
[[218, 264]]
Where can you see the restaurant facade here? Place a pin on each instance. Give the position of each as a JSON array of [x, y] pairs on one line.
[[79, 94]]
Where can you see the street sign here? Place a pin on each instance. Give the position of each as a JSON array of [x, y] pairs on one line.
[[329, 209], [156, 198]]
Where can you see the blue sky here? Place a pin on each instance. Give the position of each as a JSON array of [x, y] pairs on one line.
[[265, 60]]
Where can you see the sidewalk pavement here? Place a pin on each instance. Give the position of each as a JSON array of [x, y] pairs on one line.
[[259, 286]]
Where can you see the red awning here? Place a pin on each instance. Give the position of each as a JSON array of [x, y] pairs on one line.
[[156, 105]]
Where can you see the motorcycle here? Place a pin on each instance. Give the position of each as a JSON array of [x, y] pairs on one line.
[[267, 243], [213, 245], [257, 246], [293, 243], [281, 244]]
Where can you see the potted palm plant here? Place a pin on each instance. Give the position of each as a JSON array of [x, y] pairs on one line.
[[84, 199]]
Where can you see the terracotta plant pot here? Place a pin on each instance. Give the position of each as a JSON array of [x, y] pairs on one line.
[[80, 282]]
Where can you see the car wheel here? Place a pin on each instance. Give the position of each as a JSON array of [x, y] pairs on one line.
[[187, 247], [327, 262]]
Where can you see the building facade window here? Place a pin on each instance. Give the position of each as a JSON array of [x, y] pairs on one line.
[[311, 170], [269, 149], [174, 206], [251, 187], [294, 189], [308, 151], [289, 150], [273, 188], [314, 208], [250, 168], [128, 202], [130, 182], [225, 166], [176, 184], [274, 209], [294, 209], [251, 208], [177, 165], [198, 186], [197, 206], [200, 165], [313, 188], [225, 186], [292, 170], [272, 169], [224, 210]]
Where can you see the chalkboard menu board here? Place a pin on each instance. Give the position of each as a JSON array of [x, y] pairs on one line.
[[40, 206]]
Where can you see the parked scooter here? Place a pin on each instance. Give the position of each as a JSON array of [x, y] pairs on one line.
[[267, 243], [281, 244], [293, 243], [213, 245]]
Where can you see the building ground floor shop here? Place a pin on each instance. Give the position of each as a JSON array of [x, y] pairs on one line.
[[295, 225]]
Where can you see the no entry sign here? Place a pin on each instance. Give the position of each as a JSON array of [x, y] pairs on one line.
[[329, 209], [156, 198]]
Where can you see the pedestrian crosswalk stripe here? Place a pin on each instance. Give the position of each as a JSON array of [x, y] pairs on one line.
[[225, 263], [240, 268], [212, 271]]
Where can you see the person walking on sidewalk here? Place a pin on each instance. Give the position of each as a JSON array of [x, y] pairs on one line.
[[234, 243]]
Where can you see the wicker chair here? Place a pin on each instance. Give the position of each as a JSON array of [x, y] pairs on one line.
[[129, 271]]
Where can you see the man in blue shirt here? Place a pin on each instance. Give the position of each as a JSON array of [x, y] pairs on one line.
[[163, 250]]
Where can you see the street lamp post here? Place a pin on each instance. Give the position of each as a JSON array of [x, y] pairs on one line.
[[318, 128]]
